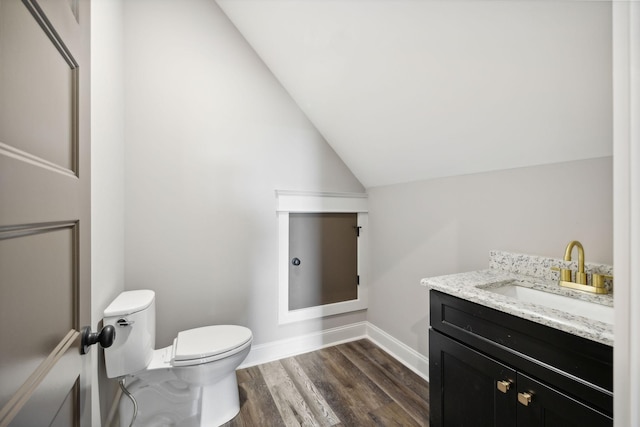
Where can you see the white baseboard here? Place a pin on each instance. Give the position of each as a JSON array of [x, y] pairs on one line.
[[268, 352], [404, 354]]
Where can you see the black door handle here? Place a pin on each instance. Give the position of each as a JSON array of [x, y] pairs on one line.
[[105, 337], [295, 261]]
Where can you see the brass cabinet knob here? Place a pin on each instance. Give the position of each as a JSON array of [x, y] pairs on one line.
[[525, 398], [503, 385]]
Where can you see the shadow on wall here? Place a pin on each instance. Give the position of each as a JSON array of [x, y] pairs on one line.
[[420, 330]]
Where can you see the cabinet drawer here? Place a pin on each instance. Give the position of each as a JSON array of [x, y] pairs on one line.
[[581, 366]]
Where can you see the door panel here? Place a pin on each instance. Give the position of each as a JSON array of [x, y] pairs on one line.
[[56, 398], [68, 409], [38, 85], [44, 212], [37, 269], [326, 245]]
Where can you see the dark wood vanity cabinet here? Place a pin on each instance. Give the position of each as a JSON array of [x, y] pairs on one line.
[[488, 368]]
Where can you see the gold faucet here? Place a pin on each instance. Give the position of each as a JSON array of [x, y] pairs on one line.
[[581, 277], [580, 282]]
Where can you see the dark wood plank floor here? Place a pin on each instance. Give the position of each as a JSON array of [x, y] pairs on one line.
[[352, 384]]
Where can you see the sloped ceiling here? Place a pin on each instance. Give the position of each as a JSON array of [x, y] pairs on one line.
[[407, 90]]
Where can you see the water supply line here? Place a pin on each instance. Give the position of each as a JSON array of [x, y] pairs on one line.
[[133, 400]]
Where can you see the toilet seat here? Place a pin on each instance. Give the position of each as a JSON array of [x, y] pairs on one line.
[[209, 343]]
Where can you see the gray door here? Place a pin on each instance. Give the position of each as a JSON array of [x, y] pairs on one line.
[[323, 267], [44, 212]]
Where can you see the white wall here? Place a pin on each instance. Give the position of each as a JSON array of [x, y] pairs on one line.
[[210, 136], [107, 160], [449, 225], [107, 180]]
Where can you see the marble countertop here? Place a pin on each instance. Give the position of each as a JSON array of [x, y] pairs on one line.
[[474, 286]]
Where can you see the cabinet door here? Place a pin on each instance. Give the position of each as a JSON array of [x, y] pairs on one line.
[[540, 405], [464, 386]]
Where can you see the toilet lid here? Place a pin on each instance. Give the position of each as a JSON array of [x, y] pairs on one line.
[[130, 302], [201, 345]]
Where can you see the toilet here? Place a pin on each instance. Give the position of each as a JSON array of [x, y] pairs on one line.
[[191, 383]]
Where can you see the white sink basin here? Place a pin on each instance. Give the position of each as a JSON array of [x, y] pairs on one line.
[[575, 306]]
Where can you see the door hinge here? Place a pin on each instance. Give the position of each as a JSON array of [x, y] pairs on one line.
[[358, 279], [357, 230]]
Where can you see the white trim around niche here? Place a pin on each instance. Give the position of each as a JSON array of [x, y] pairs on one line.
[[305, 201], [316, 202]]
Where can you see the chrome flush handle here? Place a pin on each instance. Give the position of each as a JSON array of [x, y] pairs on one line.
[[124, 322]]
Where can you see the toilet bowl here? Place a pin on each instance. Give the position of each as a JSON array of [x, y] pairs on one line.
[[189, 383]]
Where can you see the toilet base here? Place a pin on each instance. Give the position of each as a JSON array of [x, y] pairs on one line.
[[172, 402], [220, 402], [168, 402]]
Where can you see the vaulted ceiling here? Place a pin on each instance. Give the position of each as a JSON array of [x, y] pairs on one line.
[[407, 90]]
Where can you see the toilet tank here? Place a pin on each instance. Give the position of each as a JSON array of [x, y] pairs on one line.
[[133, 314]]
